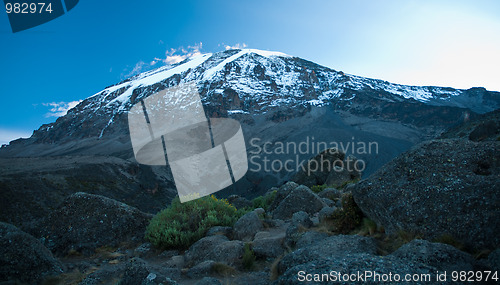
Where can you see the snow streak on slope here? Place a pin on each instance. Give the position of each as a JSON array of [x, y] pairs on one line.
[[250, 81]]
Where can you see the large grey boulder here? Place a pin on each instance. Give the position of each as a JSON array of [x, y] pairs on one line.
[[23, 258], [439, 255], [440, 187], [84, 222], [300, 221], [330, 246], [327, 270], [300, 198], [217, 248], [310, 238], [336, 257], [268, 245], [316, 170], [247, 226], [281, 194]]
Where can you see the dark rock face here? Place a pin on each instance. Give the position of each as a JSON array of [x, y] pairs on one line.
[[331, 246], [32, 187], [494, 260], [84, 222], [247, 226], [440, 187], [300, 221], [216, 248], [352, 264], [317, 169], [310, 238], [23, 258], [330, 167], [437, 255], [299, 199], [267, 245], [352, 254]]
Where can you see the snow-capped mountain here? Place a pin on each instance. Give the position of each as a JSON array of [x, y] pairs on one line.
[[275, 97], [252, 81]]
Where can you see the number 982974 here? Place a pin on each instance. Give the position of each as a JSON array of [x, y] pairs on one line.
[[28, 8]]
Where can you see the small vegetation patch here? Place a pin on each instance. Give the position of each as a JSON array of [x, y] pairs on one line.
[[347, 218], [264, 201], [318, 188], [182, 224], [248, 257]]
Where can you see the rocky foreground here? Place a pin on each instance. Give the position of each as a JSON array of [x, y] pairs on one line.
[[433, 209]]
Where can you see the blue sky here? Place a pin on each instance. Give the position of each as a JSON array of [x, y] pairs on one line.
[[98, 43]]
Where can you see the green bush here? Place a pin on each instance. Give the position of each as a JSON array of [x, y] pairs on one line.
[[248, 257], [182, 224], [264, 201], [318, 188], [347, 218]]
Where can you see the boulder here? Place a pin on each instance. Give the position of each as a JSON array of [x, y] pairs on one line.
[[84, 222], [219, 230], [310, 238], [202, 269], [300, 221], [330, 193], [316, 170], [328, 202], [247, 226], [300, 198], [268, 245], [327, 270], [217, 248], [335, 245], [440, 187], [338, 177], [239, 202], [437, 255], [281, 194], [23, 258], [325, 213]]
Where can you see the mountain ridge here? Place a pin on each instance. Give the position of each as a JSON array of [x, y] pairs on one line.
[[326, 85]]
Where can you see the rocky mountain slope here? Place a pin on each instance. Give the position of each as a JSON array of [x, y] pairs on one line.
[[277, 98], [443, 186]]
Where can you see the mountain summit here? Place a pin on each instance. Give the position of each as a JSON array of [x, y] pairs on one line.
[[277, 98]]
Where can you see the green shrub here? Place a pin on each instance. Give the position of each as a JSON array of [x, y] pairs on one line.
[[248, 257], [264, 201], [318, 188], [347, 218], [369, 226], [182, 224]]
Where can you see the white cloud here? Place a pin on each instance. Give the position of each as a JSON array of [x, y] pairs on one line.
[[60, 109], [236, 46], [138, 68], [7, 135], [173, 56]]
